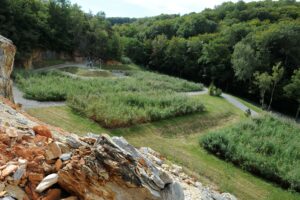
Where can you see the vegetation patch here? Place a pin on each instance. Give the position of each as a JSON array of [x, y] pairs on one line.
[[266, 146], [123, 109], [140, 98]]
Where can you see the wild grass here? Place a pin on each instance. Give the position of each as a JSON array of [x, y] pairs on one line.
[[139, 98], [266, 146], [113, 110]]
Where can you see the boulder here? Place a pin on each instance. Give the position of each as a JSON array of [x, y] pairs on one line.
[[7, 55]]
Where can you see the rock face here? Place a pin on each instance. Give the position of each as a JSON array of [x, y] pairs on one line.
[[7, 54]]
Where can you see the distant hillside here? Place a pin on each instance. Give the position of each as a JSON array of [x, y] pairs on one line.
[[225, 45], [57, 26]]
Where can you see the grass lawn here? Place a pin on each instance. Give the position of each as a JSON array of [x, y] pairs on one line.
[[63, 117], [177, 139]]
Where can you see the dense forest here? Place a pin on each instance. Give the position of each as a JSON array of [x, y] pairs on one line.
[[250, 49], [59, 26]]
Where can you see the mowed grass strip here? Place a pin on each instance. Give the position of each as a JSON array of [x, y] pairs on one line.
[[177, 139], [267, 146]]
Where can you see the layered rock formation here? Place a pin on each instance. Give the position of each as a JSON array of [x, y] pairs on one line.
[[7, 54]]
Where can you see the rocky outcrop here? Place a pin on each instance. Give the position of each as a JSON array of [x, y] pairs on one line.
[[7, 54], [35, 160]]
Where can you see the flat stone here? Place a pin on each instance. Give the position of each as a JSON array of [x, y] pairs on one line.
[[53, 151], [16, 192], [73, 142], [66, 156], [8, 198], [19, 173], [47, 182], [58, 164], [8, 170], [2, 186], [35, 178], [12, 112], [12, 133], [43, 131], [64, 148], [22, 121], [173, 191]]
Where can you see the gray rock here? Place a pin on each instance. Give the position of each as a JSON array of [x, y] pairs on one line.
[[47, 182], [227, 196], [92, 135], [22, 121], [19, 173], [66, 156], [16, 192], [173, 192], [74, 143], [7, 198]]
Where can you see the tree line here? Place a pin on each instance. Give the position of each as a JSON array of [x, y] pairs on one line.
[[250, 49], [60, 26], [236, 46]]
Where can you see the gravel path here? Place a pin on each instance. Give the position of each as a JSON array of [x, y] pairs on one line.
[[229, 98], [61, 66], [27, 103]]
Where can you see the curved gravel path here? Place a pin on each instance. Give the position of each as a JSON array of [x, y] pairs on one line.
[[229, 98], [27, 103]]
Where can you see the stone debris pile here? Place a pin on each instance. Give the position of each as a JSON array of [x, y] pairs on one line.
[[193, 189], [38, 163]]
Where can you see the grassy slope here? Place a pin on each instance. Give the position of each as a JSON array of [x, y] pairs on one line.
[[177, 139]]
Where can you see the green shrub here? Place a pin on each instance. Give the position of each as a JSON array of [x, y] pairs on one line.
[[266, 146], [125, 60], [214, 91]]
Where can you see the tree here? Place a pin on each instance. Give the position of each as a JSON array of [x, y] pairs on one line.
[[292, 90], [277, 75], [175, 55], [244, 61], [264, 82]]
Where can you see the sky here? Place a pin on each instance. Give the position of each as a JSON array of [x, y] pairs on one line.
[[146, 8]]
